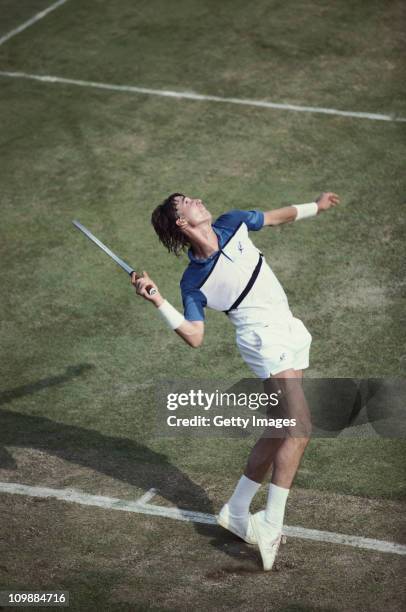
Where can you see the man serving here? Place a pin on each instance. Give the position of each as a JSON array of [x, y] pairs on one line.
[[228, 273]]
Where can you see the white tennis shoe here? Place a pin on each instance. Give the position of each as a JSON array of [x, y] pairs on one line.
[[239, 525], [268, 543]]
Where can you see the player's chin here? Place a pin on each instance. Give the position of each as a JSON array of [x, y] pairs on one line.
[[202, 219]]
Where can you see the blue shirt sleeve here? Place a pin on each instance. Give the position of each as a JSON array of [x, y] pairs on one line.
[[194, 303], [254, 219]]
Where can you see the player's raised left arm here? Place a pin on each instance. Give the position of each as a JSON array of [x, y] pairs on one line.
[[287, 214]]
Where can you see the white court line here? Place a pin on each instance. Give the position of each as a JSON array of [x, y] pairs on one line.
[[201, 97], [31, 21], [141, 506]]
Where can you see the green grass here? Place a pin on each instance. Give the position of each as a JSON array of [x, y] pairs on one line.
[[108, 158], [341, 54]]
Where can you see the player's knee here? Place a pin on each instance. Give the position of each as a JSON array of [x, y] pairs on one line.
[[302, 442], [302, 429], [297, 445]]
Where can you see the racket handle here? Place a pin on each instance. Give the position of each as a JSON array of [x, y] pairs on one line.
[[150, 289]]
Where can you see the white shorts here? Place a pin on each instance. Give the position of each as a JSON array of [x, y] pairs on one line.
[[271, 348]]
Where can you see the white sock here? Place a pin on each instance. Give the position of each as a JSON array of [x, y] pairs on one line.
[[239, 502], [275, 507]]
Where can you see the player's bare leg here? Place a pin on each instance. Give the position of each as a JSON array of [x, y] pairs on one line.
[[285, 454]]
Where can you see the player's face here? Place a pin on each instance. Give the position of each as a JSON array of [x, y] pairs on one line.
[[192, 210]]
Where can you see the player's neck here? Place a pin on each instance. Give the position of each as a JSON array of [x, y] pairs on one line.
[[203, 240]]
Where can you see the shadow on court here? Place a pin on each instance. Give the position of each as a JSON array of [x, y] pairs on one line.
[[120, 458], [123, 459], [44, 383], [127, 460]]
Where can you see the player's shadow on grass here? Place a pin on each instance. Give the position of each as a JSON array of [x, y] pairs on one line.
[[44, 383], [123, 459], [120, 458]]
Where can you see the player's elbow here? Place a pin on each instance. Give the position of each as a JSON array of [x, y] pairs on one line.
[[196, 341], [196, 334], [192, 332], [270, 220]]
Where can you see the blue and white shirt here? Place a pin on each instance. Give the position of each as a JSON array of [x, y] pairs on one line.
[[218, 281]]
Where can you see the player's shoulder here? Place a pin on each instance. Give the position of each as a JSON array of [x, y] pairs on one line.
[[254, 219], [231, 218]]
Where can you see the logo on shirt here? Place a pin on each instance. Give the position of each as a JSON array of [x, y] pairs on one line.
[[283, 357], [240, 247]]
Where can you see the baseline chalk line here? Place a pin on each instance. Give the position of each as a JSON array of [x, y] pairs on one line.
[[201, 97], [141, 506], [31, 21]]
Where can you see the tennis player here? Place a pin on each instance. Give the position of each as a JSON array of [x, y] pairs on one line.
[[228, 273]]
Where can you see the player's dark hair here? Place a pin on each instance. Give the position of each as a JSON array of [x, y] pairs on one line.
[[164, 221]]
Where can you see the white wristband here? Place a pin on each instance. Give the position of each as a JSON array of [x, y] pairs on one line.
[[306, 210], [173, 318]]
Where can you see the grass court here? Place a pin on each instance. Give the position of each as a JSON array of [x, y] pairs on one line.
[[82, 354]]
